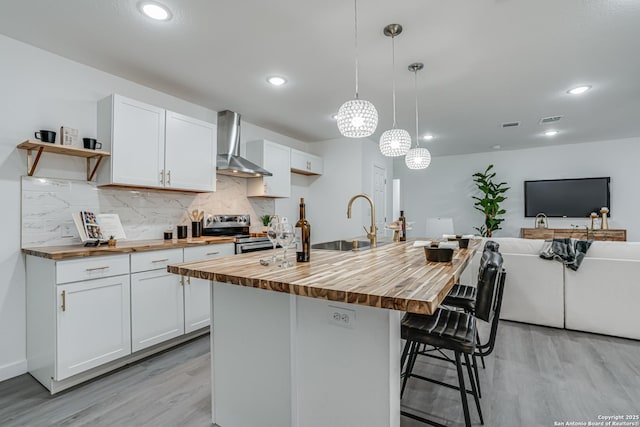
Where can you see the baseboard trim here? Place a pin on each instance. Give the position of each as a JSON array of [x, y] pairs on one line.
[[13, 369]]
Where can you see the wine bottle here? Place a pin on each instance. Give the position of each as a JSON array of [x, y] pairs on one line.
[[303, 236], [403, 227]]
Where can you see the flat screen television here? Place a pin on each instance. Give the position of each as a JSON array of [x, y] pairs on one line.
[[572, 198]]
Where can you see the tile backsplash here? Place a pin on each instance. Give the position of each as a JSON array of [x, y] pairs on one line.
[[47, 204]]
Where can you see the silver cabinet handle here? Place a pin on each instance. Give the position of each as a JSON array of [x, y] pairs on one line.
[[64, 301], [97, 268], [162, 177], [213, 253], [160, 260], [189, 280], [168, 177]]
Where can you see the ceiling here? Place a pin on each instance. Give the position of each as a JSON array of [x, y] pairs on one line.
[[486, 62]]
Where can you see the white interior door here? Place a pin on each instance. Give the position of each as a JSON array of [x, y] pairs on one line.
[[380, 195]]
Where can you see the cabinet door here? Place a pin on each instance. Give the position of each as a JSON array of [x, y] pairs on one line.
[[197, 304], [137, 151], [305, 163], [157, 312], [276, 159], [190, 153], [93, 324], [197, 292]]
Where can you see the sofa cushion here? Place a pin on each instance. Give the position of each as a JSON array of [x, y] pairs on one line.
[[614, 250], [603, 296]]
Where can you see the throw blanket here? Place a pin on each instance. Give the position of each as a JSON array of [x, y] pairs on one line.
[[569, 251]]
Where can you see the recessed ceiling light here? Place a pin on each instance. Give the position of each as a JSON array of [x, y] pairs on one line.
[[428, 137], [496, 147], [551, 133], [155, 11], [578, 90], [276, 80]]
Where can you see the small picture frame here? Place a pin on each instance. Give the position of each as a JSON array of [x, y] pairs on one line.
[[69, 136]]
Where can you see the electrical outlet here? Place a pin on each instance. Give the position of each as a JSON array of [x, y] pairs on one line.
[[343, 317]]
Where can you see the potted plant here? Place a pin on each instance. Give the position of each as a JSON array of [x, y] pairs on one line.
[[265, 221], [489, 203]]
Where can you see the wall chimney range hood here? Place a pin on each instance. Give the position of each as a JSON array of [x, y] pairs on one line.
[[229, 161]]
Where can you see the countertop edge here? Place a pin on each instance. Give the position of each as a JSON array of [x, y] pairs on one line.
[[58, 253], [348, 297]]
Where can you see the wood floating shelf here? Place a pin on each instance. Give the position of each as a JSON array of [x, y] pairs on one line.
[[40, 147]]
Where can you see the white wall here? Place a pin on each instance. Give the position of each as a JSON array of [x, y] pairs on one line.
[[348, 167], [41, 90], [446, 187]]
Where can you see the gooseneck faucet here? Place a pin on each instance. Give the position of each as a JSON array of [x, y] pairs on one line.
[[372, 233]]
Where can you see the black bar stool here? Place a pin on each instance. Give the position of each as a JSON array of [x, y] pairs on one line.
[[455, 331]]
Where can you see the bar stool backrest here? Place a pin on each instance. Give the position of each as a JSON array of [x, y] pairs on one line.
[[489, 247], [487, 286]]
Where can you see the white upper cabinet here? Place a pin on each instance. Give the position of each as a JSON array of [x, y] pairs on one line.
[[190, 153], [276, 159], [155, 148], [134, 134], [305, 163]]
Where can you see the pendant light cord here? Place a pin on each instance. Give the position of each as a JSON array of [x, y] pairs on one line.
[[355, 9], [393, 78], [415, 72]]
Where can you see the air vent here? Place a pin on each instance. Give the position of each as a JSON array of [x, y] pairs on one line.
[[552, 119], [511, 124]]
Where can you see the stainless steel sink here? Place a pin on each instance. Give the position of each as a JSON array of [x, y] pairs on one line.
[[341, 245]]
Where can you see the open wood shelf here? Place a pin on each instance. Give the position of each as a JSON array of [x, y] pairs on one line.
[[40, 147]]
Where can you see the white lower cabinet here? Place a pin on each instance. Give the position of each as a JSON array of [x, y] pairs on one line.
[[157, 304], [89, 315], [197, 292], [78, 316], [157, 299], [93, 324]]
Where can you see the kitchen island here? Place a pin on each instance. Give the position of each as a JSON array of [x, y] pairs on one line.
[[317, 344]]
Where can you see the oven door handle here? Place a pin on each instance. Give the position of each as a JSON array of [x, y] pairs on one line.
[[253, 246]]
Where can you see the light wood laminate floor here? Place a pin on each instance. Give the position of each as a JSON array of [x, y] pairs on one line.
[[536, 376]]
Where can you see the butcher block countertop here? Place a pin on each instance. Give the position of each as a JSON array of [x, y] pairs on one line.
[[122, 247], [393, 276]]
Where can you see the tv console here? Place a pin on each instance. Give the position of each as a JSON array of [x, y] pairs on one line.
[[576, 233]]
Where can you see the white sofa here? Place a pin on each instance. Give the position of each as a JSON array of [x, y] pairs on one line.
[[603, 296]]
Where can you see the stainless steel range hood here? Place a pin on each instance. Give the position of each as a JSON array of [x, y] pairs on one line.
[[229, 160]]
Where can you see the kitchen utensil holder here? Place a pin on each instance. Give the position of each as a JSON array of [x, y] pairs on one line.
[[196, 228]]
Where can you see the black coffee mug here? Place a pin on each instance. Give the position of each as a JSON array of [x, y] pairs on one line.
[[46, 136], [182, 232], [196, 229], [91, 143]]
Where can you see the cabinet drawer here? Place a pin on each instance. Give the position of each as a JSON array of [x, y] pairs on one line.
[[155, 260], [208, 252], [91, 268]]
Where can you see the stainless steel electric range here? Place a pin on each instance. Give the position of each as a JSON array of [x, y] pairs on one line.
[[236, 226]]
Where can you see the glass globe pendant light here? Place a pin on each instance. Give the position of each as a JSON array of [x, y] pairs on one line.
[[394, 142], [417, 158], [357, 118]]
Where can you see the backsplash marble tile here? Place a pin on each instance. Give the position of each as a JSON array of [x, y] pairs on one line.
[[47, 204]]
